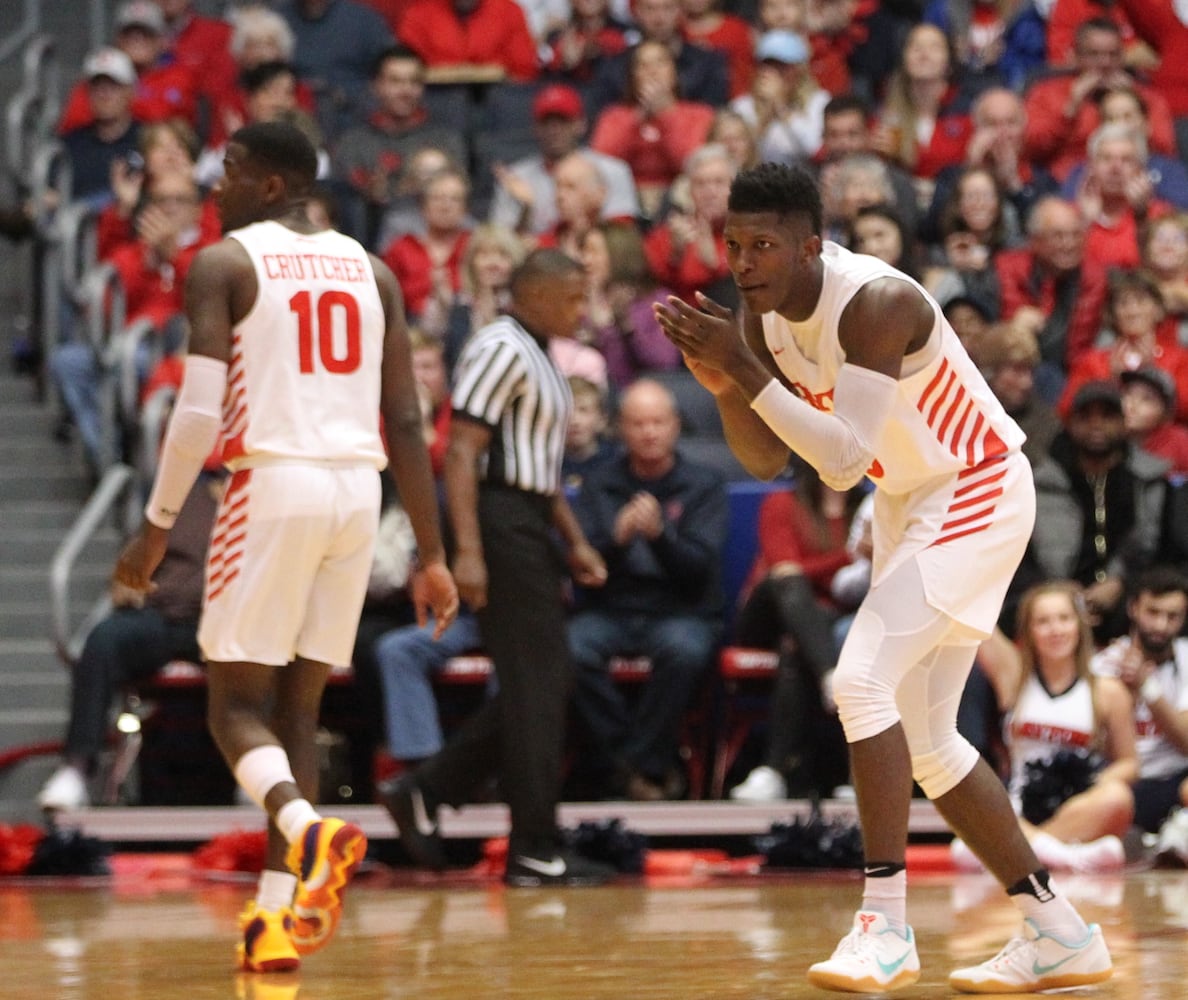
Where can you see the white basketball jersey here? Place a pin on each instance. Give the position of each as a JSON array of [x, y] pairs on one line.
[[945, 419], [1040, 725], [304, 377]]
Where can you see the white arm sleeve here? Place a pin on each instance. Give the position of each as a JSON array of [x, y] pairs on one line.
[[839, 445], [193, 431]]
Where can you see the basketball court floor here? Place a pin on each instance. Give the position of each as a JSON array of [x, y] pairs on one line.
[[159, 930]]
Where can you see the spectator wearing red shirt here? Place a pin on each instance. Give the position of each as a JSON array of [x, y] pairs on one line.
[[429, 263], [258, 36], [1056, 287], [705, 25], [1163, 25], [923, 124], [1116, 196], [1066, 16], [653, 130], [577, 50], [471, 33], [1149, 408], [1134, 309], [169, 147], [201, 46], [834, 29], [687, 252], [1063, 111], [152, 271], [164, 88]]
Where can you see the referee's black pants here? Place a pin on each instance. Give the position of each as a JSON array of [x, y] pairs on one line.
[[519, 733]]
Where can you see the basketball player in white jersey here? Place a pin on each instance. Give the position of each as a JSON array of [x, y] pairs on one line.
[[851, 364], [297, 344]]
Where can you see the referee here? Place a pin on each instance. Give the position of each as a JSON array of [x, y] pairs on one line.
[[503, 492]]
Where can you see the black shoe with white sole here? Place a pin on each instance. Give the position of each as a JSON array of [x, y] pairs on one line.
[[555, 868], [416, 821]]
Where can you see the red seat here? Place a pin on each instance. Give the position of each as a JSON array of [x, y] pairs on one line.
[[746, 677]]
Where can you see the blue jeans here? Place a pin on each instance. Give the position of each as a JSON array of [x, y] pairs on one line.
[[407, 658], [76, 374], [643, 738]]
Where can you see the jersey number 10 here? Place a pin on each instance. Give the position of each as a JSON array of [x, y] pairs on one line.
[[339, 355]]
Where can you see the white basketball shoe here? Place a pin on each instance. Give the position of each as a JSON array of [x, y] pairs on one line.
[[872, 958], [1036, 962]]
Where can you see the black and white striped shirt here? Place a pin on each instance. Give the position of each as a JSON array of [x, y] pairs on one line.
[[505, 379]]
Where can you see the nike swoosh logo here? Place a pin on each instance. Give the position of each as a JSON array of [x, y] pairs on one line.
[[1043, 970], [890, 967], [425, 826], [551, 869]]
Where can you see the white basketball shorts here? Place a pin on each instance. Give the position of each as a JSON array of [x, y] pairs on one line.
[[289, 560]]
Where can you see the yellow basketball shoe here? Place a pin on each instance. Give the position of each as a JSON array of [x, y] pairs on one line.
[[265, 944], [324, 858]]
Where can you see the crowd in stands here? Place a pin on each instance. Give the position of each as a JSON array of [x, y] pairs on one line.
[[1024, 160]]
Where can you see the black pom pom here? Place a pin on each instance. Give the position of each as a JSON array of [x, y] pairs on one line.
[[611, 843], [68, 852], [812, 843], [1049, 784]]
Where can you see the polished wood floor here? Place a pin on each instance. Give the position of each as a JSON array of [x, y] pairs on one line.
[[155, 931]]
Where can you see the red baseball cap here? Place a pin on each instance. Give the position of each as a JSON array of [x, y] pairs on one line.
[[558, 101]]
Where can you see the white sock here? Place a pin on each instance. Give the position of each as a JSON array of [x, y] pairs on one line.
[[888, 896], [261, 769], [275, 890], [294, 816], [1052, 914]]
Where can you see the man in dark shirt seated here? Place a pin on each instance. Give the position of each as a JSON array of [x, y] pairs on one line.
[[659, 521]]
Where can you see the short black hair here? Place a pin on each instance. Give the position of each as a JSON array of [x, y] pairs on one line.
[[261, 75], [1158, 581], [283, 148], [395, 52], [546, 263], [843, 103], [774, 187]]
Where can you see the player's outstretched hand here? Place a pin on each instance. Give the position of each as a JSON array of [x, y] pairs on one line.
[[706, 334], [140, 558], [433, 590]]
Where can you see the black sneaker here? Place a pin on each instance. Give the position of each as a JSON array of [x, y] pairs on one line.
[[416, 821], [557, 868]]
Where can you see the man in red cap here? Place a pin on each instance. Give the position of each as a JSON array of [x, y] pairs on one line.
[[525, 196]]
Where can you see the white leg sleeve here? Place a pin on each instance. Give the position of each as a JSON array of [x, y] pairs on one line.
[[905, 662]]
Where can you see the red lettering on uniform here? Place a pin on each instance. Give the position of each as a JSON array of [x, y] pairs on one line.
[[270, 266], [823, 401], [286, 266]]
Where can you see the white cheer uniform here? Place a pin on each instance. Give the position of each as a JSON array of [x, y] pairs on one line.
[[1041, 725], [292, 549]]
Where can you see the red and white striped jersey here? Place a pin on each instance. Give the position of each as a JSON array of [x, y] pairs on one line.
[[945, 419], [303, 381]]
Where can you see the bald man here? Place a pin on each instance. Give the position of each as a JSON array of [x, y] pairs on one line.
[[659, 522]]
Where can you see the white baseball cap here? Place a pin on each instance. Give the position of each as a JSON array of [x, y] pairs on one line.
[[111, 63]]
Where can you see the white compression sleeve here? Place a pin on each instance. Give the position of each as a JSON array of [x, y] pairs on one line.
[[193, 431], [841, 444]]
